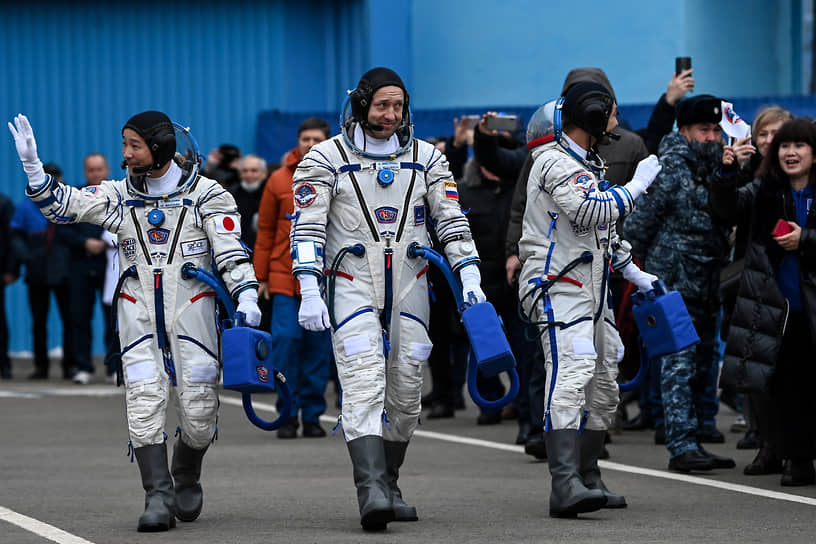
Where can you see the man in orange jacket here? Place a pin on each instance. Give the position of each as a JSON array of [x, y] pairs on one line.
[[303, 356]]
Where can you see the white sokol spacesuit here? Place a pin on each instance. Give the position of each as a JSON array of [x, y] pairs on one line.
[[339, 202], [167, 325], [569, 244], [164, 216]]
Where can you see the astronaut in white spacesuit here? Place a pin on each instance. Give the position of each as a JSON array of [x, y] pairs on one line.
[[569, 242], [372, 189], [164, 215]]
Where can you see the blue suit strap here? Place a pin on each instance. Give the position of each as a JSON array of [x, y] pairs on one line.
[[412, 166], [350, 168], [135, 203]]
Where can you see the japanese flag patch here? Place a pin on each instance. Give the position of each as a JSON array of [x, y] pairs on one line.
[[451, 191], [228, 224], [584, 181]]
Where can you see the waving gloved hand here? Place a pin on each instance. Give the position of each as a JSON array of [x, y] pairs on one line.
[[313, 314], [642, 280], [472, 283], [248, 304], [27, 150], [645, 173]]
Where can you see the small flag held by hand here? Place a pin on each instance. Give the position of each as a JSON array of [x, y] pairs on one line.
[[732, 124]]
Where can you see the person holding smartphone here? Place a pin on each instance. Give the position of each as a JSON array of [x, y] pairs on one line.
[[772, 336]]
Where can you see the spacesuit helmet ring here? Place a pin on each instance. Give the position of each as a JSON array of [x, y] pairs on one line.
[[357, 105], [166, 141]]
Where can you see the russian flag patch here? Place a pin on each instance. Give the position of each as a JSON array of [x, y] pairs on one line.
[[451, 191]]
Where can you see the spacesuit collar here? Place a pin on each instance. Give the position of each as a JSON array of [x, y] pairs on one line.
[[165, 184], [577, 149], [375, 146]]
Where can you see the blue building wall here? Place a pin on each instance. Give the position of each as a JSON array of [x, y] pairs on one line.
[[80, 69]]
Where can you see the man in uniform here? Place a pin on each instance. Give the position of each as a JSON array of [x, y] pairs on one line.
[[674, 235], [360, 202], [567, 246], [164, 215]]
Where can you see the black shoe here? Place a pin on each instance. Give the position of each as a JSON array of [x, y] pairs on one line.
[[536, 446], [719, 462], [440, 410], [660, 435], [524, 430], [68, 372], [38, 374], [312, 429], [488, 418], [765, 462], [709, 434], [798, 472], [288, 429], [640, 423], [5, 372], [749, 442], [604, 453], [459, 402], [692, 460]]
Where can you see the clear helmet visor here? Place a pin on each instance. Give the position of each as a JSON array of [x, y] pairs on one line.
[[542, 124], [186, 157], [404, 133]]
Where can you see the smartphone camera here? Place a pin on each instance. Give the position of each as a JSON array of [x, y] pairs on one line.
[[681, 64]]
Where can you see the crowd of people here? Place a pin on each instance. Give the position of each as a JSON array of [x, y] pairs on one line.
[[561, 224]]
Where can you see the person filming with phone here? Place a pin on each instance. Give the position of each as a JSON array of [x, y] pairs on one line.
[[772, 337]]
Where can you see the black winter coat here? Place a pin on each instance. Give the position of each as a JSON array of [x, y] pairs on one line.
[[761, 311]]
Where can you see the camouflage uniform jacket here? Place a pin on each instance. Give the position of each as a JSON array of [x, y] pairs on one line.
[[672, 231]]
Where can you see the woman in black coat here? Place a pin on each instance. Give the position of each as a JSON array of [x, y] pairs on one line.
[[772, 336]]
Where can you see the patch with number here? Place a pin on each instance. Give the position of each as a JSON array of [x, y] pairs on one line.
[[228, 224], [158, 236], [128, 248], [451, 191], [386, 214], [195, 247], [90, 190], [419, 215], [305, 195], [584, 181]]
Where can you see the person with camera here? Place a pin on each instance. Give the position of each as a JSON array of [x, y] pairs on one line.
[[568, 245], [772, 337], [674, 236], [362, 198], [165, 215]]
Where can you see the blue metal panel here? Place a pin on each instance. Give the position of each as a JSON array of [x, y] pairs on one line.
[[79, 70]]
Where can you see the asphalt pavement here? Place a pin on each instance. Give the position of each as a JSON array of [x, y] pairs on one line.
[[66, 477]]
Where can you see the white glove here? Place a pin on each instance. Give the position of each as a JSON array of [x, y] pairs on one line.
[[248, 304], [472, 283], [642, 280], [313, 314], [27, 150], [645, 173]]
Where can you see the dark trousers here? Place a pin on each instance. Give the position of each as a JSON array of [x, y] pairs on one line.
[[5, 364], [39, 301], [792, 391], [84, 288]]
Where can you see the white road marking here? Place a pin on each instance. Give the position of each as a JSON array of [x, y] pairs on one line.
[[607, 465], [39, 528]]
